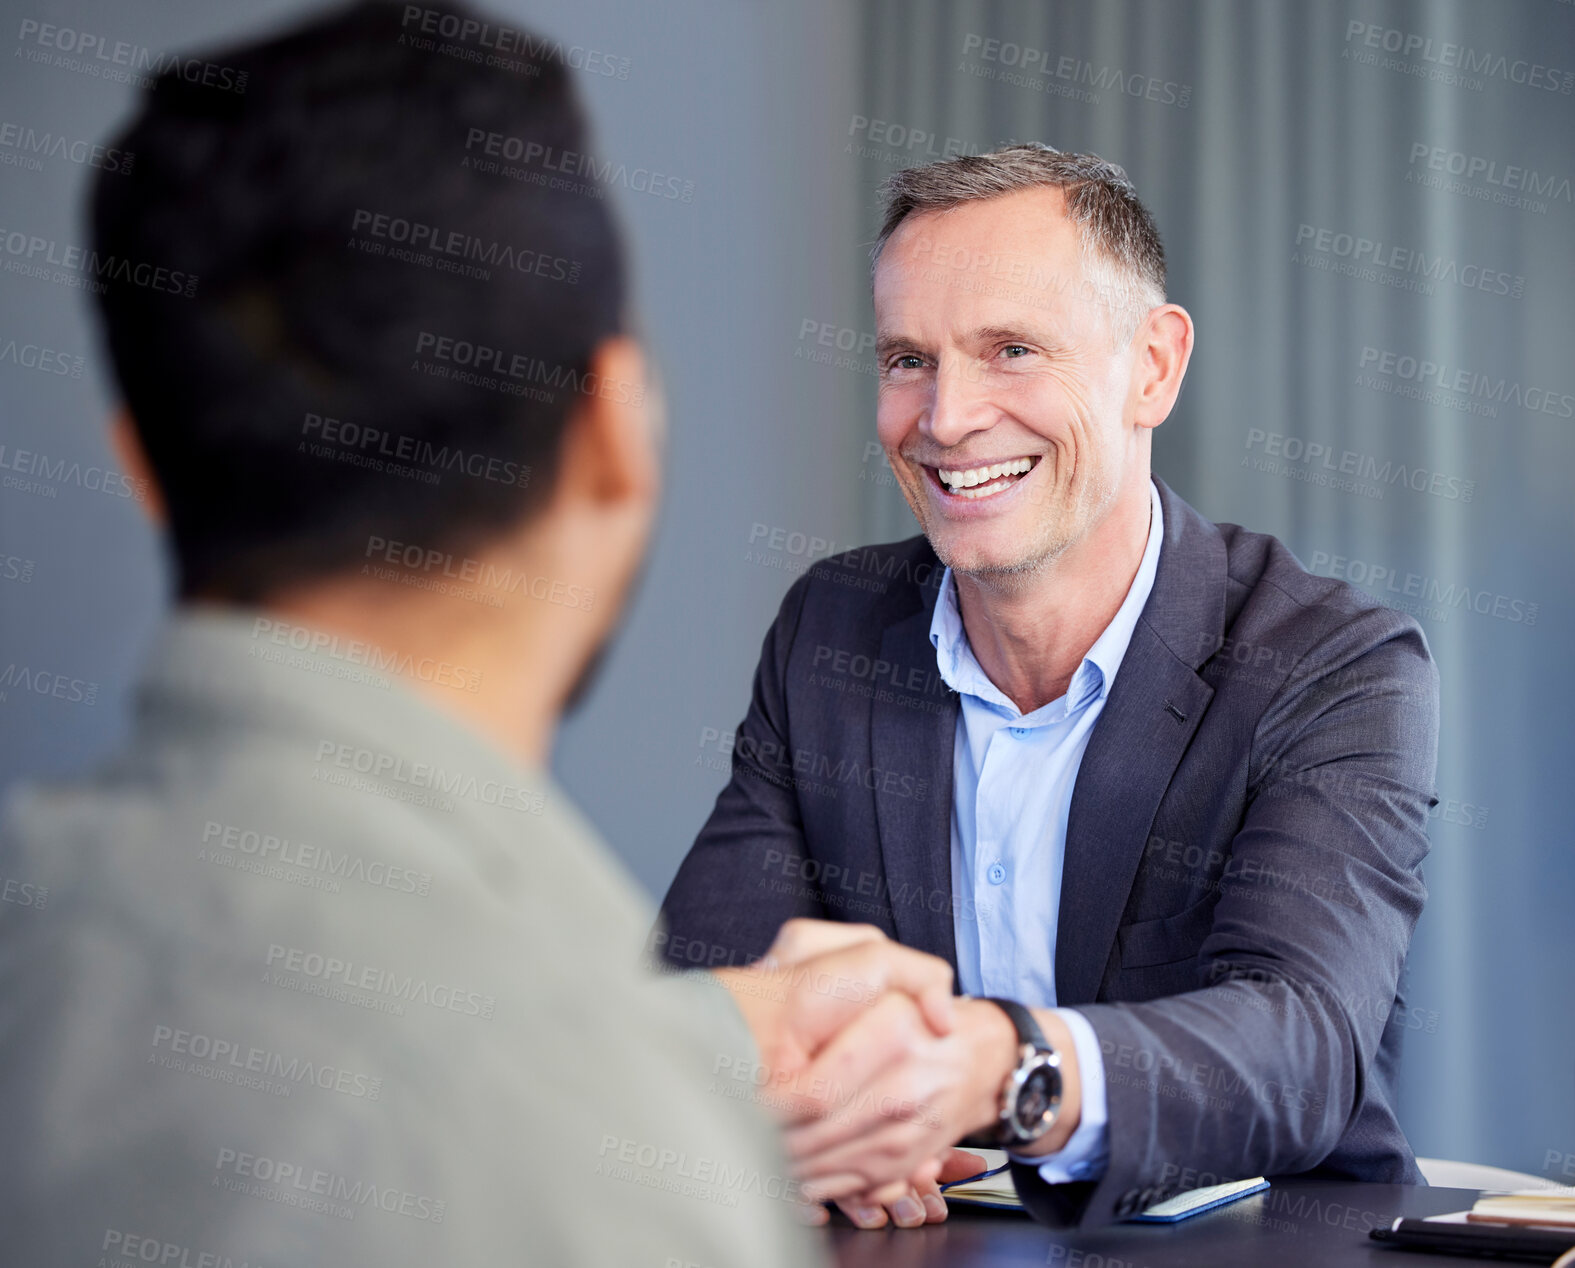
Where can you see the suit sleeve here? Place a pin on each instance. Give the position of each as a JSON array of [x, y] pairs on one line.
[[1261, 1069], [744, 874]]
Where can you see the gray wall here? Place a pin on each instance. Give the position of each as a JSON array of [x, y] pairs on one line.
[[742, 101], [756, 300]]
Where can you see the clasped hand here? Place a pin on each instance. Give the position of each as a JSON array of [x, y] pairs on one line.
[[872, 1066]]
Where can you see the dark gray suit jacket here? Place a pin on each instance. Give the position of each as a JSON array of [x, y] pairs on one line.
[[1243, 853]]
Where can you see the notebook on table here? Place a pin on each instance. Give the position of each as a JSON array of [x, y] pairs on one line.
[[994, 1188]]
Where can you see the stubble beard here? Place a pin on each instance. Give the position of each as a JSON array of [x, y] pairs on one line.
[[1064, 523]]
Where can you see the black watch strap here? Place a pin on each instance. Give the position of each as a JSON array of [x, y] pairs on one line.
[[1035, 1052], [1028, 1031]]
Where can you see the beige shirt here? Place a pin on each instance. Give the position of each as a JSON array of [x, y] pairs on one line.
[[312, 974]]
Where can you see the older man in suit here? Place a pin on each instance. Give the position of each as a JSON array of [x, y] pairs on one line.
[[1158, 793]]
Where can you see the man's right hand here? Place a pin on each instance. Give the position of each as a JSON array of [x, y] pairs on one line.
[[817, 979]]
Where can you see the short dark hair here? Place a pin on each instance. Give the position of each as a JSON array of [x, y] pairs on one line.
[[333, 237]]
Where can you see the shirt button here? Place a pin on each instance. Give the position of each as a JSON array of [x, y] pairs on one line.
[[997, 873], [1020, 731]]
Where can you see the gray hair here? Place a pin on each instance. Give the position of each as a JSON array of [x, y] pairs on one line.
[[1119, 237]]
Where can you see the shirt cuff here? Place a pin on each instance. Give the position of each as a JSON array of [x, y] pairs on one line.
[[1086, 1155]]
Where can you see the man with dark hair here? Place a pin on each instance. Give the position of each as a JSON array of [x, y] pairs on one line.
[[323, 968], [1159, 794], [386, 337]]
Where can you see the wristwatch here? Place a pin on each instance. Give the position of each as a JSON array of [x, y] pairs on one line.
[[1031, 1096]]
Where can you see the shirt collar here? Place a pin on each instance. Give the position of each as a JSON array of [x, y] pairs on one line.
[[962, 672]]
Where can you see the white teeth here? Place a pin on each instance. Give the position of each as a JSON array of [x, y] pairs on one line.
[[963, 482]]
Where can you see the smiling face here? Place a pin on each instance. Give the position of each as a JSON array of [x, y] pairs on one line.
[[1006, 407]]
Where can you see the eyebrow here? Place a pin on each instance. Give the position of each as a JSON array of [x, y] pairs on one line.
[[1013, 334], [890, 344]]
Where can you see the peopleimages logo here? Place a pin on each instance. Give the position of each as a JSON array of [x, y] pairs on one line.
[[450, 250], [841, 338], [393, 452], [228, 842], [414, 565], [691, 1175], [40, 474], [788, 767], [25, 147], [503, 42], [1045, 64], [125, 1247], [347, 975], [1406, 268], [30, 356], [1312, 454], [320, 644], [1444, 60], [901, 142], [1425, 375], [93, 53], [597, 174], [425, 776], [1486, 178], [483, 359], [230, 1061], [300, 1181], [29, 255], [1439, 598], [44, 682]]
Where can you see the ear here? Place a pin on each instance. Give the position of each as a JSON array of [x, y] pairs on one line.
[[126, 444], [611, 455], [1161, 349]]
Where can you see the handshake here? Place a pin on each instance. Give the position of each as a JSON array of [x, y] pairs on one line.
[[875, 1070]]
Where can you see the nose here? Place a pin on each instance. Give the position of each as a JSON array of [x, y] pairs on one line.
[[958, 404]]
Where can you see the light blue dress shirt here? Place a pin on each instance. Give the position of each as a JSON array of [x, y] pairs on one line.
[[1012, 789]]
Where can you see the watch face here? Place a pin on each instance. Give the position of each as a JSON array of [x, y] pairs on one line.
[[1039, 1094]]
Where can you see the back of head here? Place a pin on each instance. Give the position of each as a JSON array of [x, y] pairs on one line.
[[307, 267]]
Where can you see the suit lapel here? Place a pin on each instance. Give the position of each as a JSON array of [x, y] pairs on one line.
[[915, 832], [1132, 754], [1153, 710]]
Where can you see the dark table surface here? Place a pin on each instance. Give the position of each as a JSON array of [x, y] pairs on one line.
[[1292, 1224]]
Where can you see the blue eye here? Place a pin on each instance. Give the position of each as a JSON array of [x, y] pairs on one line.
[[908, 362], [1014, 350]]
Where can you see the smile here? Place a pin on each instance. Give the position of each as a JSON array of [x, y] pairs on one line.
[[984, 482]]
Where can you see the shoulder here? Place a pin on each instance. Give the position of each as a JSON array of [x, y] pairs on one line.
[[1228, 600], [1274, 600], [869, 585], [1297, 649], [843, 606]]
